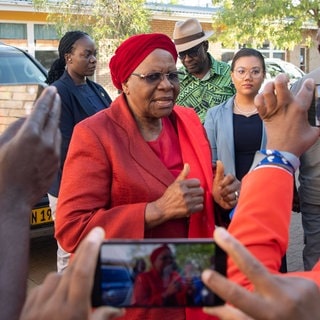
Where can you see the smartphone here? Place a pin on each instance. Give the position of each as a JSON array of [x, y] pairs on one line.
[[16, 101], [317, 104], [153, 273]]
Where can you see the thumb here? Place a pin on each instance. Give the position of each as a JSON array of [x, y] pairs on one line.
[[304, 95], [219, 173], [107, 313], [184, 173]]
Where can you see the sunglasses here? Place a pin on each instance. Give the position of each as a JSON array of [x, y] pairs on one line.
[[156, 77], [192, 53]]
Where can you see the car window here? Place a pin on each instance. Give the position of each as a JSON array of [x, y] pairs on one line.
[[116, 274], [273, 70], [18, 68], [293, 71]]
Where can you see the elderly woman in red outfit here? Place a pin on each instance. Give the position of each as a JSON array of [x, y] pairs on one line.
[[161, 285], [141, 168]]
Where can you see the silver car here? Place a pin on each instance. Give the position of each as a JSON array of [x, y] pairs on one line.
[[20, 74]]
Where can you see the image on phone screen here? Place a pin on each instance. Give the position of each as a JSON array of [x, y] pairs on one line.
[[156, 273]]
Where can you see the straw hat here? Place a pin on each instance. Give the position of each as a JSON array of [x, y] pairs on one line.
[[187, 34]]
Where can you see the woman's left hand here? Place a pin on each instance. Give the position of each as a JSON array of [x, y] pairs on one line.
[[226, 189]]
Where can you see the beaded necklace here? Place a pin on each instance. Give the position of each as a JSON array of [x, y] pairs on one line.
[[244, 113]]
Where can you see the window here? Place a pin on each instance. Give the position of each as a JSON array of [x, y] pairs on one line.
[[44, 32], [303, 58], [13, 31], [47, 57]]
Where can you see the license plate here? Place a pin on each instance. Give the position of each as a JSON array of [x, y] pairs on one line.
[[40, 216]]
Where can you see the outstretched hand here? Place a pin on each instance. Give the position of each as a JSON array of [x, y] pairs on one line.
[[275, 296], [285, 116], [30, 150]]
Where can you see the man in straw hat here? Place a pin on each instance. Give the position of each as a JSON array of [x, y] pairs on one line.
[[206, 82], [309, 177]]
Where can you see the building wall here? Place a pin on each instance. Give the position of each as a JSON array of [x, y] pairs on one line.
[[162, 24], [167, 26], [16, 101]]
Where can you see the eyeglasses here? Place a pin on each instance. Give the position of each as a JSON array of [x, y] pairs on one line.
[[156, 77], [241, 73], [192, 53], [167, 257]]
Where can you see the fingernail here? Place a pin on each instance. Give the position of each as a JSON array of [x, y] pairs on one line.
[[221, 232], [96, 234], [310, 85], [206, 274]]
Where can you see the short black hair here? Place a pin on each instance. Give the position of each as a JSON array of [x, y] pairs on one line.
[[248, 52]]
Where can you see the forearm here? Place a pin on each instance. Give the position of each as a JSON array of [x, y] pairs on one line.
[[262, 217], [14, 253]]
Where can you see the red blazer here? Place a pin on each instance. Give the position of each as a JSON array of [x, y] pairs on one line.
[[111, 173], [262, 218]]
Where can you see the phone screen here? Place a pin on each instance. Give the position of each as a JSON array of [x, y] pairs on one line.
[[156, 273]]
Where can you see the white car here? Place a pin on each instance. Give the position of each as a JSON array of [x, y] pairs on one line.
[[275, 66]]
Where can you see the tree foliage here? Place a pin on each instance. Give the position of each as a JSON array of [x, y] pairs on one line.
[[252, 22], [107, 21]]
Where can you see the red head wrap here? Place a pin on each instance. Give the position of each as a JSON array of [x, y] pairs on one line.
[[155, 253], [133, 51]]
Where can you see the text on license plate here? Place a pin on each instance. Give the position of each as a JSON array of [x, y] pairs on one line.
[[40, 216]]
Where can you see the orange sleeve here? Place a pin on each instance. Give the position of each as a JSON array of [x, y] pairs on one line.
[[262, 217], [314, 274]]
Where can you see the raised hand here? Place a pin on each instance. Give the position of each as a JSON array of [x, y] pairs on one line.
[[30, 150], [29, 158], [285, 117]]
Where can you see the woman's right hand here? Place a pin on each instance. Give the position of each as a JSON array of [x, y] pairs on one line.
[[182, 198]]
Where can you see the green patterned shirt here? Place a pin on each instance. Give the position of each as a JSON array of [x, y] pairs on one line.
[[202, 94]]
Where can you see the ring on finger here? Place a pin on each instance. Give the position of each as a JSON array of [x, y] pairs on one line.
[[236, 193]]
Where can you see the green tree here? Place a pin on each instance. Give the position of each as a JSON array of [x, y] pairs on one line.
[[199, 254], [251, 22], [107, 21]]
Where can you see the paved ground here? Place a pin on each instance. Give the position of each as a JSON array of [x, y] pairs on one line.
[[42, 259], [43, 253], [294, 254]]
